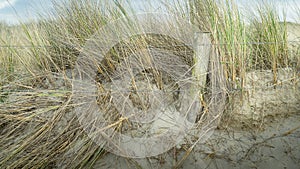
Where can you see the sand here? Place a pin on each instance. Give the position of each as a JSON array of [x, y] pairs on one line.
[[255, 133]]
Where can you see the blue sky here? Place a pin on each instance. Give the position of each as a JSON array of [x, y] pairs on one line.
[[13, 11]]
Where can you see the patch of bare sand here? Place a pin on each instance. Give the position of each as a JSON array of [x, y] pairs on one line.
[[277, 146], [262, 131]]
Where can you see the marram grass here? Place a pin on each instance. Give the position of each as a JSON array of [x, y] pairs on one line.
[[37, 129]]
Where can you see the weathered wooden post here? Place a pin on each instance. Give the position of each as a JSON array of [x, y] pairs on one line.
[[201, 56]]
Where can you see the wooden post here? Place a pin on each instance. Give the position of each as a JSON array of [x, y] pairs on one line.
[[202, 55]]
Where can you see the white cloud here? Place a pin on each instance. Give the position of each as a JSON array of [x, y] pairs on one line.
[[6, 3]]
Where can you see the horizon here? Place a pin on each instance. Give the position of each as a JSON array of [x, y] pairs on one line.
[[14, 12]]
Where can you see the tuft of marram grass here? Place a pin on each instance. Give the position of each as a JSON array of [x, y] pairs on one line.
[[271, 50], [74, 22], [244, 44], [229, 33]]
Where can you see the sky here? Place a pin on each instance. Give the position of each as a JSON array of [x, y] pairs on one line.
[[14, 11]]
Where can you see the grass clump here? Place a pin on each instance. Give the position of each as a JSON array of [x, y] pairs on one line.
[[72, 24], [229, 34], [37, 129], [255, 43], [271, 50]]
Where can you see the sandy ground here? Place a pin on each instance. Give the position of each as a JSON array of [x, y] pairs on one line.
[[262, 131], [277, 146]]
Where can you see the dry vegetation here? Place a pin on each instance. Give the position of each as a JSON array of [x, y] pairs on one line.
[[37, 126]]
